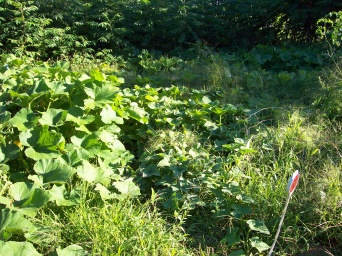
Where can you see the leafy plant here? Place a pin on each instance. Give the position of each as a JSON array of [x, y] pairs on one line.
[[330, 27]]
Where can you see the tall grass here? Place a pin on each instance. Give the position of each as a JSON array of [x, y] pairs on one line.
[[120, 227]]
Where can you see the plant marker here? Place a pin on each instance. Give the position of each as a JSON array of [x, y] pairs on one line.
[[291, 186]]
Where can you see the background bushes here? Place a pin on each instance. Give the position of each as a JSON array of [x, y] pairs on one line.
[[62, 26]]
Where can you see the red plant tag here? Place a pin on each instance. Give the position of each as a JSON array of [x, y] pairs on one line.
[[293, 181]]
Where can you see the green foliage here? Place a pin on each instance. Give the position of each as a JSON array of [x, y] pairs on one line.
[[122, 228], [79, 149], [329, 97], [283, 59], [71, 127], [24, 32], [52, 29], [330, 28]]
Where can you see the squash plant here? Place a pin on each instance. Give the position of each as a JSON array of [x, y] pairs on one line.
[[61, 128]]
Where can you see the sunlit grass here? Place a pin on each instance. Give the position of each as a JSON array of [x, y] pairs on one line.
[[113, 228]]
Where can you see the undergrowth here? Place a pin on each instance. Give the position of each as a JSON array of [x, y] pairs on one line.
[[211, 138]]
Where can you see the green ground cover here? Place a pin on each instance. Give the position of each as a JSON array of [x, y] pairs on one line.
[[162, 155], [170, 127]]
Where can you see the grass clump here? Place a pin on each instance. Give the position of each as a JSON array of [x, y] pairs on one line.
[[120, 227], [304, 142]]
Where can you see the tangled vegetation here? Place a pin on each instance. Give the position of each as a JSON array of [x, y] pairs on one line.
[[114, 142]]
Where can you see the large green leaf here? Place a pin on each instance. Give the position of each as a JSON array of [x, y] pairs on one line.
[[90, 143], [13, 222], [127, 188], [57, 87], [84, 78], [38, 87], [258, 225], [28, 198], [97, 75], [53, 171], [150, 170], [12, 248], [232, 236], [41, 153], [104, 192], [72, 250], [258, 244], [53, 117], [73, 156], [62, 198], [2, 156], [44, 144], [10, 151], [100, 95], [118, 158], [165, 161], [108, 115], [111, 141], [5, 116], [24, 119], [239, 210], [78, 116], [137, 113], [93, 174]]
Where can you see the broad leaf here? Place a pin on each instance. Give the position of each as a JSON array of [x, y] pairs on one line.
[[108, 115], [4, 116], [150, 170], [57, 87], [165, 161], [53, 117], [28, 198], [41, 153], [23, 120], [72, 250], [2, 156], [10, 151], [137, 113], [60, 196], [240, 210], [93, 174], [90, 143], [78, 116], [13, 222], [258, 225], [71, 158], [258, 244], [232, 236], [117, 158], [104, 192], [44, 144], [97, 75], [111, 141], [53, 171], [101, 95], [127, 187], [38, 87], [18, 249]]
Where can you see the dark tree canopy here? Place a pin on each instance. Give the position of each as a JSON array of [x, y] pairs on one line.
[[62, 26]]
